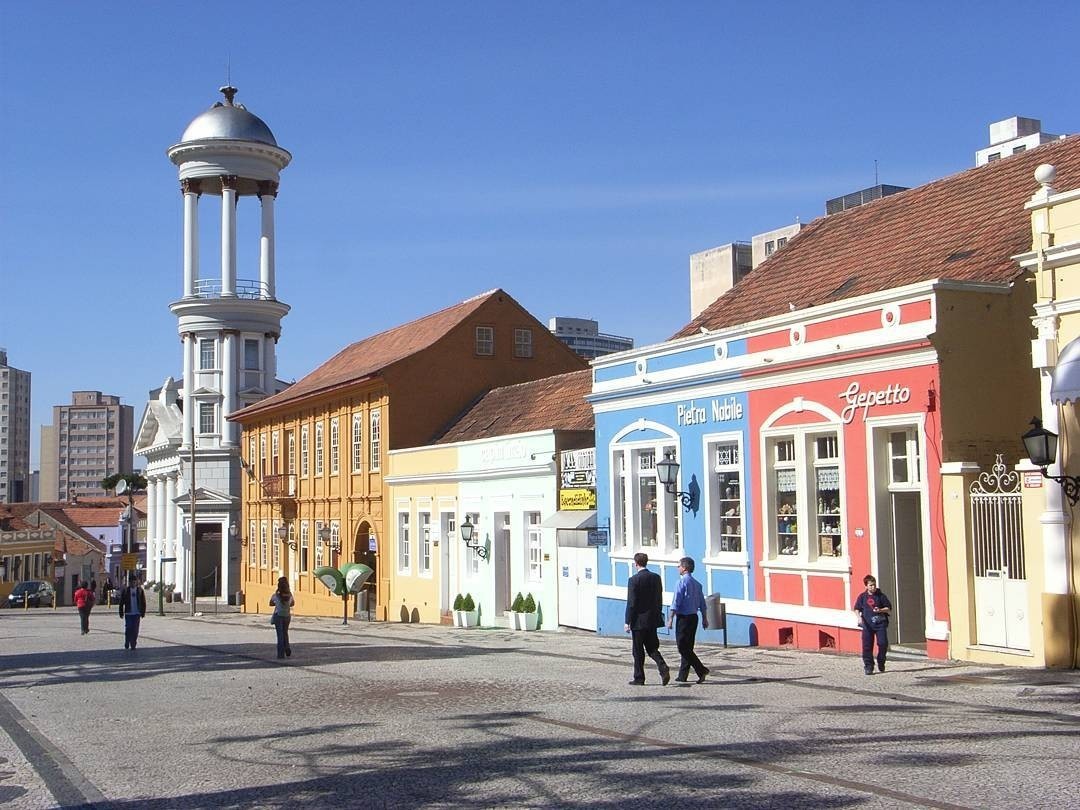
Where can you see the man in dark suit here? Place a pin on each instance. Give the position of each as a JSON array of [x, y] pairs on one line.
[[645, 613]]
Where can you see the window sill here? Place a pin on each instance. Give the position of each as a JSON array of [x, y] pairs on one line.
[[838, 565]]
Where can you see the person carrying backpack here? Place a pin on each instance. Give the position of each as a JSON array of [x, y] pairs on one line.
[[84, 601]]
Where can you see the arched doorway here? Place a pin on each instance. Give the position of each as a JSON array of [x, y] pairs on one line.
[[365, 551]]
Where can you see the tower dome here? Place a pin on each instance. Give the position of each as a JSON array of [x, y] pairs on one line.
[[229, 121]]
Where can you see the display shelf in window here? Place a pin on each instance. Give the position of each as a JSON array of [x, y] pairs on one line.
[[787, 529]]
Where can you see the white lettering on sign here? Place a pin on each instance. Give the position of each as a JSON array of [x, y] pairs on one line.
[[719, 410], [856, 399], [502, 452]]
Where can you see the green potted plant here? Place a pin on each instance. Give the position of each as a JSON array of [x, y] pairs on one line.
[[469, 613], [516, 611], [529, 616]]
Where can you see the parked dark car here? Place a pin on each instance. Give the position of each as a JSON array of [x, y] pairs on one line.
[[33, 592]]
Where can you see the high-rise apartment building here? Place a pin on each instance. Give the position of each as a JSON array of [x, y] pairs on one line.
[[583, 335], [14, 432], [89, 440]]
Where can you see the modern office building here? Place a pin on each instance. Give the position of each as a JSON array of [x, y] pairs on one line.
[[1011, 137], [14, 432], [88, 440], [585, 338]]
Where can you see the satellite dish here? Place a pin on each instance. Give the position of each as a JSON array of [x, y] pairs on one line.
[[121, 486]]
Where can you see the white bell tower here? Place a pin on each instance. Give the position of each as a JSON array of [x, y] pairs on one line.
[[229, 321]]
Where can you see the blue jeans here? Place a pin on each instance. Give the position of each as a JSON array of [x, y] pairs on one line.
[[282, 628], [131, 629], [881, 633]]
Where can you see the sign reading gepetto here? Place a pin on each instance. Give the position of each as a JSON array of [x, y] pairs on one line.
[[577, 499]]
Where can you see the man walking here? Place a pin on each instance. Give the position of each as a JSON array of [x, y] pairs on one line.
[[685, 606], [132, 609], [645, 613]]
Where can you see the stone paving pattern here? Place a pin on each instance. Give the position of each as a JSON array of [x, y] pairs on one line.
[[391, 715]]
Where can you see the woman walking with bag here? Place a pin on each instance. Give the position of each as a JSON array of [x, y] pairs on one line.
[[282, 601], [84, 601]]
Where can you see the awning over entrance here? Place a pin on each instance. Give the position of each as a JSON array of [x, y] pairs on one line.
[[1065, 384], [577, 519]]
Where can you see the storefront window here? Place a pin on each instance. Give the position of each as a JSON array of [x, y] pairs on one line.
[[618, 504], [787, 498], [648, 523], [647, 516], [805, 497], [827, 481], [726, 504]]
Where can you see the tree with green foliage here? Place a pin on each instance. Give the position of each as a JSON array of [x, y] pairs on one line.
[[135, 481], [529, 605], [459, 600], [516, 605], [468, 605]]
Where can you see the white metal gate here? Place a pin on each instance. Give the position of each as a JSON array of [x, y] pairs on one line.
[[997, 556]]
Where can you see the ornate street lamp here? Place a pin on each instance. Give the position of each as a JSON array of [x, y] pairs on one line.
[[468, 530], [283, 536], [1041, 447], [668, 473]]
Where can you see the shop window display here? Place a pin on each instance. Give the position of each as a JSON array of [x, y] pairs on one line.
[[645, 514], [726, 518], [806, 497]]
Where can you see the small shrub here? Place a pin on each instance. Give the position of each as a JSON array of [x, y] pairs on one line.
[[459, 600], [467, 604], [529, 605], [517, 605]]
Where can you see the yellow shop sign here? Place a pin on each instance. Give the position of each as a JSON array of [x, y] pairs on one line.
[[570, 499]]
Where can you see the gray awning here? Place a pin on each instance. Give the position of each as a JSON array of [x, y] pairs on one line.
[[575, 519], [1065, 384]]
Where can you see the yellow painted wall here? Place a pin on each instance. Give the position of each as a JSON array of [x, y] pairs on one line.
[[415, 597]]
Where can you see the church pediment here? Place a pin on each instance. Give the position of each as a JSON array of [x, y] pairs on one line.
[[208, 499], [159, 427]]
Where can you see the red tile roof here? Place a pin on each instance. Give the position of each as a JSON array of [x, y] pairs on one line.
[[553, 403], [371, 355], [962, 228]]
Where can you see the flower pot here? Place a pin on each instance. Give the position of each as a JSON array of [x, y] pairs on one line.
[[527, 621], [470, 618]]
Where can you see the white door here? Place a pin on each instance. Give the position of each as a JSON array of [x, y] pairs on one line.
[[577, 587]]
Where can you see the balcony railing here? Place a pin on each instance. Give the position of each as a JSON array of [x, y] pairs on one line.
[[279, 486], [250, 289]]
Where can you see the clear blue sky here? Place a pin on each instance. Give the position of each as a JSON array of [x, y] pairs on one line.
[[572, 153]]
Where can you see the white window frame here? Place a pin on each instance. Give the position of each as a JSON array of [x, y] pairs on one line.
[[305, 454], [262, 455], [357, 442], [423, 531], [262, 544], [304, 547], [810, 521], [319, 544], [335, 541], [534, 544], [631, 470], [275, 453], [252, 556], [404, 562], [725, 508], [275, 545], [207, 358], [203, 412], [335, 446], [318, 448], [375, 438]]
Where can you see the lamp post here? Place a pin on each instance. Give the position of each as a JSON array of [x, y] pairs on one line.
[[468, 530], [1041, 447]]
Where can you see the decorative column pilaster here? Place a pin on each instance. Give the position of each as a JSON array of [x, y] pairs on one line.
[[229, 199], [189, 388], [152, 516], [270, 342], [267, 194], [229, 387], [191, 190], [170, 527]]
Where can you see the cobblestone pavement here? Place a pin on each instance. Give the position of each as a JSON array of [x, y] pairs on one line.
[[390, 715]]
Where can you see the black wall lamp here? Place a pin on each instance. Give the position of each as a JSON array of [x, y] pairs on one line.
[[467, 535], [668, 473], [283, 536], [1041, 447]]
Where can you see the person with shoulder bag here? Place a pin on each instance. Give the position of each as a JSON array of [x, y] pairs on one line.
[[84, 601], [873, 608], [282, 601]]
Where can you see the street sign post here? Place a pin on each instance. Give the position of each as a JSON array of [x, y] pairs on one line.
[[161, 584], [598, 537]]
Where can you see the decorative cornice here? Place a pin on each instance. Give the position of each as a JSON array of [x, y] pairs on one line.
[[268, 188], [191, 186]]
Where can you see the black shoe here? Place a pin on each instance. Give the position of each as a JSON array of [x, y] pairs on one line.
[[665, 677], [127, 646], [702, 674], [680, 680], [881, 666], [636, 683], [869, 670], [288, 651]]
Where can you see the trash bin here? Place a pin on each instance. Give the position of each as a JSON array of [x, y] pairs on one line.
[[716, 612], [239, 598]]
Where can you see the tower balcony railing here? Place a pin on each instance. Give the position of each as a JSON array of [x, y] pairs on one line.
[[248, 288], [279, 486]]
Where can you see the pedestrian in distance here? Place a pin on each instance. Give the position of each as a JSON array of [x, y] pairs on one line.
[[282, 601], [84, 601], [132, 609], [689, 600], [873, 608], [645, 613]]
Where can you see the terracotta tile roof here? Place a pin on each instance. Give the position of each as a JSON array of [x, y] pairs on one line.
[[70, 535], [371, 355], [553, 403], [962, 228]]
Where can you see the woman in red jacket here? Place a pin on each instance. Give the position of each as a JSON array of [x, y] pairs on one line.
[[84, 601]]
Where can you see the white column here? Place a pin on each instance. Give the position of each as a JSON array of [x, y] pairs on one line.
[[228, 235], [159, 522], [229, 388], [189, 387], [180, 566], [267, 193], [191, 235], [170, 526], [152, 551]]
